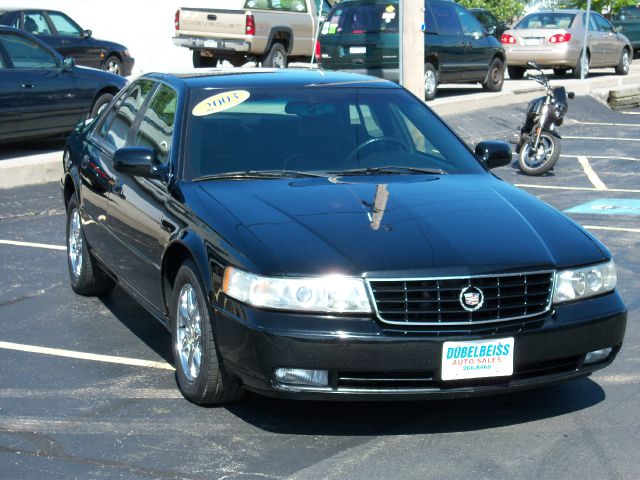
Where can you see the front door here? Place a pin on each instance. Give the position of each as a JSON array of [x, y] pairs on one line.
[[72, 42]]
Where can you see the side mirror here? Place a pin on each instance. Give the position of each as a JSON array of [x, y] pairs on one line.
[[135, 161], [494, 153], [68, 63], [86, 33]]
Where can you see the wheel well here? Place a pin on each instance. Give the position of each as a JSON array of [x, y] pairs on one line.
[[174, 257], [112, 90], [114, 54], [433, 60], [69, 189], [283, 37], [500, 57]]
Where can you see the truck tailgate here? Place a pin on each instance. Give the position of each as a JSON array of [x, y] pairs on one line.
[[211, 21]]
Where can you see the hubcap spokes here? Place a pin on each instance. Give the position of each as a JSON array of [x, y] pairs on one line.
[[429, 83], [75, 243], [541, 154], [189, 335], [113, 67]]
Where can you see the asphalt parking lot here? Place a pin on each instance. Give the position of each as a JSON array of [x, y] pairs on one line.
[[87, 388]]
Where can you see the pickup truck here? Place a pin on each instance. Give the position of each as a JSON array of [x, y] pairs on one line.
[[627, 21], [271, 32]]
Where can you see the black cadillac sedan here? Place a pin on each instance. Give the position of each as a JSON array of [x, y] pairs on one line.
[[62, 33], [43, 94], [308, 234]]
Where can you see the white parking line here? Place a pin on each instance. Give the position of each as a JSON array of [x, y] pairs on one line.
[[582, 189], [603, 157], [591, 175], [604, 124], [57, 352], [620, 139], [34, 245], [612, 229]]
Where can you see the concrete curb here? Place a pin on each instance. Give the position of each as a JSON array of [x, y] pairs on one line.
[[32, 170]]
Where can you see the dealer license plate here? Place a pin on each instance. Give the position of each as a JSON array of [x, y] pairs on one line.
[[529, 42], [357, 50], [477, 359], [211, 43]]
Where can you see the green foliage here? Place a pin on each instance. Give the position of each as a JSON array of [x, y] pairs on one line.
[[505, 10], [602, 6]]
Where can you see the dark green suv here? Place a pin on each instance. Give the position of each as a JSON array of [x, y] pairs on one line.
[[362, 36]]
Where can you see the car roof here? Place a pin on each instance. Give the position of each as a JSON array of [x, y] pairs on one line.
[[559, 10], [263, 77]]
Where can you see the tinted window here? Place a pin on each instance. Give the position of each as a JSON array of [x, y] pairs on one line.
[[470, 24], [34, 22], [286, 5], [446, 19], [119, 120], [547, 20], [429, 22], [319, 129], [486, 19], [27, 54], [358, 19], [156, 128], [64, 25]]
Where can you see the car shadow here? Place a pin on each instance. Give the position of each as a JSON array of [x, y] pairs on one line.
[[139, 322], [32, 147], [420, 417]]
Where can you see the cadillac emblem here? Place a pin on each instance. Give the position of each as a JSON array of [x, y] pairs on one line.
[[471, 298]]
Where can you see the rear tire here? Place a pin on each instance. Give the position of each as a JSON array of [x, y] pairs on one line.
[[624, 63], [495, 76], [86, 276], [430, 81], [203, 62], [577, 70], [200, 373], [516, 73], [538, 165], [276, 58]]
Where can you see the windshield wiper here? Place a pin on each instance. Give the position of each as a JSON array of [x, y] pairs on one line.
[[391, 169], [253, 174]]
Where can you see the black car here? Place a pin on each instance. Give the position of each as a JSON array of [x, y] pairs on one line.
[[311, 234], [60, 31], [362, 36], [490, 22], [43, 94]]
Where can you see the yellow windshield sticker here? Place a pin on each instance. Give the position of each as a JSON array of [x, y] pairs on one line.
[[220, 102], [390, 9]]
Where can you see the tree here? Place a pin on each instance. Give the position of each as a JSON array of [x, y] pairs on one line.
[[602, 6], [505, 10]]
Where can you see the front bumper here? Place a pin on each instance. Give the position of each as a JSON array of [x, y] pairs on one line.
[[215, 44], [367, 361], [127, 66]]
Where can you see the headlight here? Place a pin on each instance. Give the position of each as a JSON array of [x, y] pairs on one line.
[[333, 294], [584, 282]]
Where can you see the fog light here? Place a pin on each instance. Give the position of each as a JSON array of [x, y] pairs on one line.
[[300, 376], [597, 355]]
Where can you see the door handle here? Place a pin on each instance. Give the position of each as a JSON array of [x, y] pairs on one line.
[[28, 85]]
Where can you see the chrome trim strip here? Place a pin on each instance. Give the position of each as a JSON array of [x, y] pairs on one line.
[[470, 277]]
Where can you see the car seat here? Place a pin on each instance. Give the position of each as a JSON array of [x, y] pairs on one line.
[[30, 25]]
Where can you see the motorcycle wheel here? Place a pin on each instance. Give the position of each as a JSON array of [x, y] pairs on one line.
[[543, 159]]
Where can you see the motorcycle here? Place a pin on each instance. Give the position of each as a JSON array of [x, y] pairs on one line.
[[537, 142]]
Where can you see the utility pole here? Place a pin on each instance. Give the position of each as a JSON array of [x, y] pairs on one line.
[[411, 45], [584, 61]]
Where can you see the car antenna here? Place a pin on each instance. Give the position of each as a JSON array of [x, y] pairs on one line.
[[317, 33]]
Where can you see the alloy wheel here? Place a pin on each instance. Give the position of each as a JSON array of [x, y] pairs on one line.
[[189, 335], [75, 243], [429, 83]]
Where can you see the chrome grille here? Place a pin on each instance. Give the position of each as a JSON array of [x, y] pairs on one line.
[[436, 301]]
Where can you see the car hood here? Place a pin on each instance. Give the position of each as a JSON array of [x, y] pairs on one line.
[[100, 76], [392, 225]]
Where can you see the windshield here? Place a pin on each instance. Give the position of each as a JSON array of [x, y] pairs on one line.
[[358, 19], [547, 20], [317, 129]]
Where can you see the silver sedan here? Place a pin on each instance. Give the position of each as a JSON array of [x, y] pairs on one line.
[[553, 39]]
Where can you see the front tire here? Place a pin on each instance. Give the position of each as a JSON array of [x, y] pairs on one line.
[[200, 373], [624, 63], [276, 58], [495, 76], [86, 276], [516, 73], [543, 159], [113, 65]]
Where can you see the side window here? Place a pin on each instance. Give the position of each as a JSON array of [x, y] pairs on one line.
[[156, 129], [429, 22], [446, 19], [64, 25], [119, 121], [25, 53], [602, 23], [34, 22], [299, 6], [470, 24], [592, 23], [326, 8]]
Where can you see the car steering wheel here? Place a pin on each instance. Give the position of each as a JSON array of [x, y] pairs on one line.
[[371, 141]]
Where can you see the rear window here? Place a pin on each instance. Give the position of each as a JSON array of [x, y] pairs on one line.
[[299, 6], [547, 20], [359, 19], [316, 130]]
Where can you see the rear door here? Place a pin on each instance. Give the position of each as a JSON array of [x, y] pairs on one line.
[[362, 36], [478, 50], [453, 43]]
